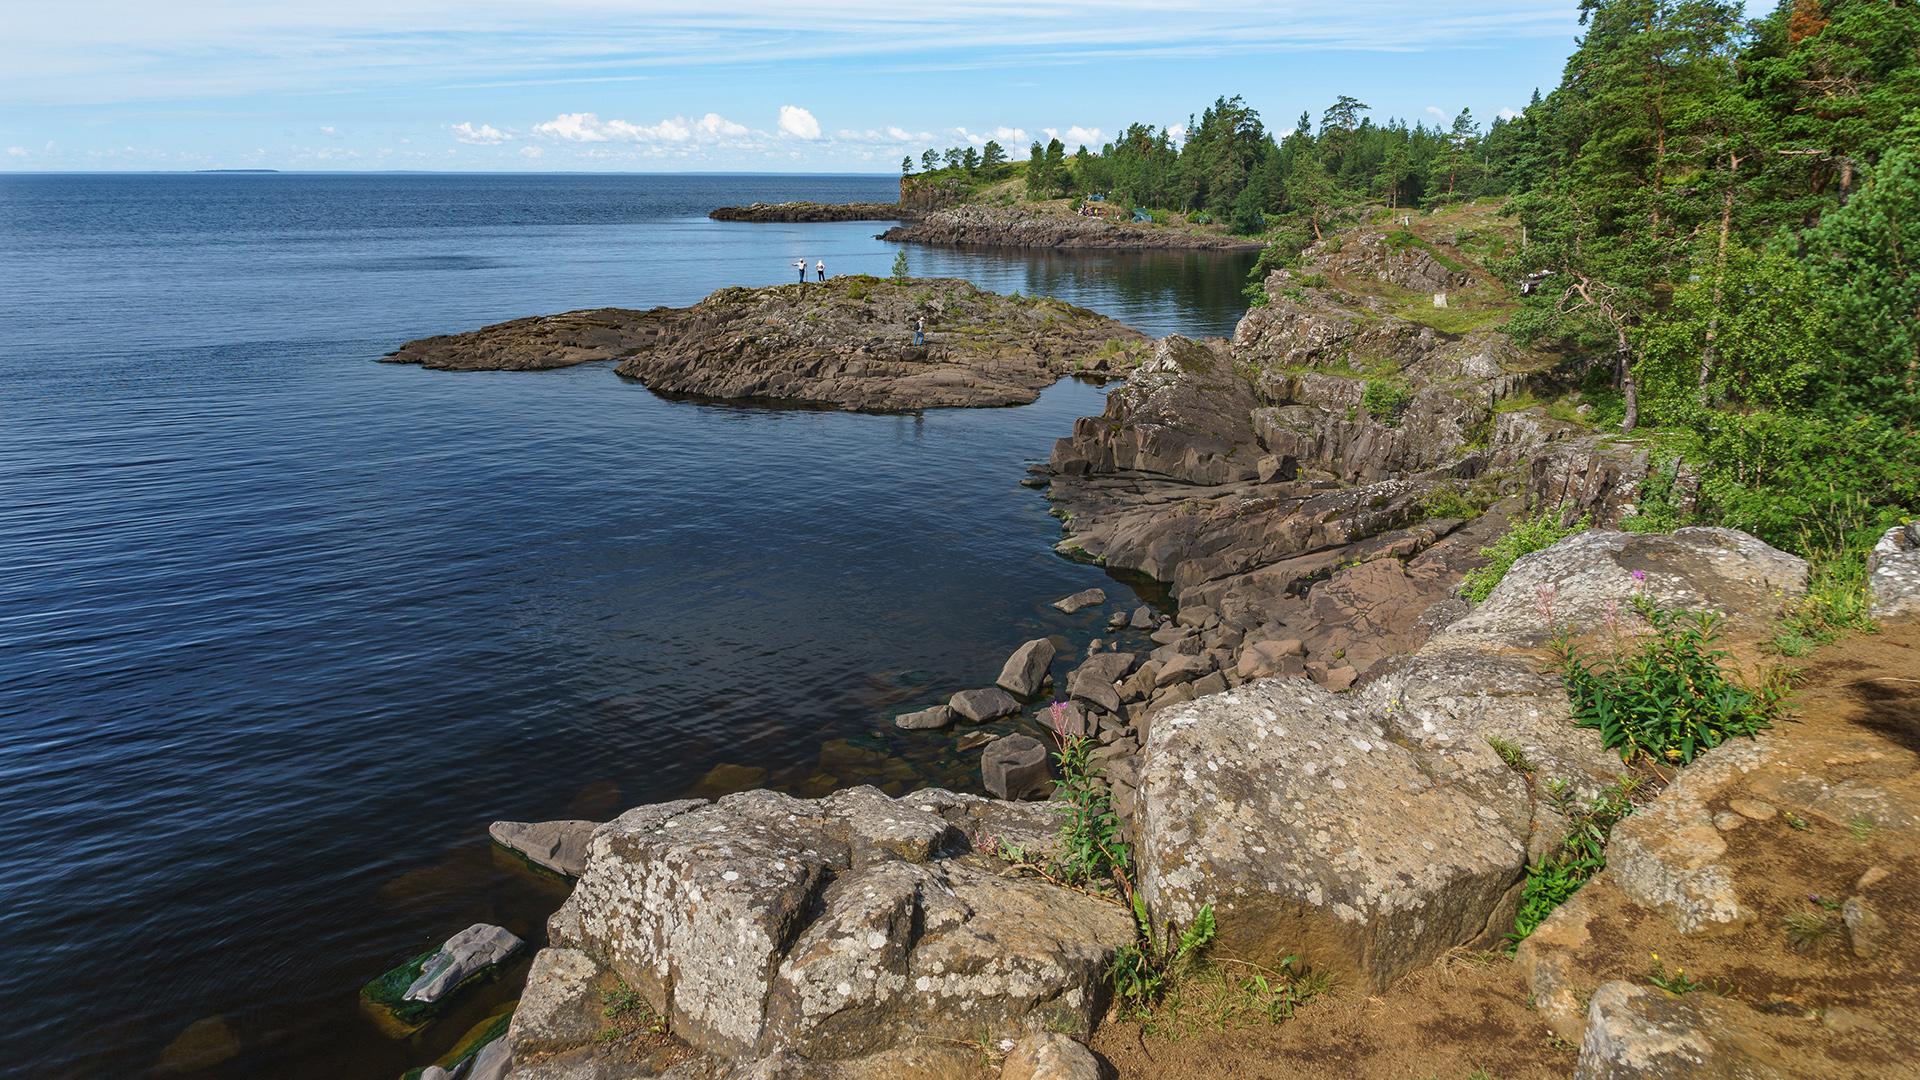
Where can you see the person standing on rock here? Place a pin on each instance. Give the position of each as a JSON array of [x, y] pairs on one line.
[[821, 268], [919, 330], [801, 265]]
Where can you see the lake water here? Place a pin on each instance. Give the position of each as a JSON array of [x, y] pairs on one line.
[[282, 629]]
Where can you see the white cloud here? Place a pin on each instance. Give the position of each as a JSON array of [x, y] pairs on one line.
[[531, 151], [481, 135], [1178, 133], [328, 130], [17, 151], [1084, 136], [1509, 113], [587, 127], [1436, 110], [798, 122]]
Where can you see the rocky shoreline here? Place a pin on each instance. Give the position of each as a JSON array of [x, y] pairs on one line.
[[1009, 227], [843, 343], [811, 212], [1306, 745]]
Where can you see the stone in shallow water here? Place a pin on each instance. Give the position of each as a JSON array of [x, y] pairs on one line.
[[1085, 598], [205, 1043], [1016, 768], [560, 846], [925, 720], [980, 706], [464, 955], [1026, 670]]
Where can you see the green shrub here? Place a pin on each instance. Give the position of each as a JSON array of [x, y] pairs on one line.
[[1525, 537], [1447, 501], [1090, 835], [1659, 508], [899, 266], [1668, 696], [1836, 602], [1386, 399], [1142, 970]]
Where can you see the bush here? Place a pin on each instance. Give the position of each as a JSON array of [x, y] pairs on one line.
[[899, 266], [1525, 537], [1386, 400], [1668, 697]]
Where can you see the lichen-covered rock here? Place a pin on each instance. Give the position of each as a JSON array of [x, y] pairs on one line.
[[836, 927], [463, 956], [1893, 573], [1667, 856], [1049, 1056], [561, 1006], [1644, 1033], [1312, 833], [1589, 575]]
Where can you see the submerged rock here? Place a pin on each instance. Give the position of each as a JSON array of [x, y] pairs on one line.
[[463, 956], [931, 719], [1085, 598], [560, 846]]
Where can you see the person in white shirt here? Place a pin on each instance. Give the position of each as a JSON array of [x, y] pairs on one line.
[[801, 265], [821, 268]]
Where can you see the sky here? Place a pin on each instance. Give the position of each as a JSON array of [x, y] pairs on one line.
[[716, 85]]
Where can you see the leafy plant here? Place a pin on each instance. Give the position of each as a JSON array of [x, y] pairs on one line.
[[1142, 970], [1092, 848], [1835, 602], [1660, 507], [1510, 754], [1582, 852], [1447, 501], [1524, 537], [627, 1014], [1668, 697], [899, 266]]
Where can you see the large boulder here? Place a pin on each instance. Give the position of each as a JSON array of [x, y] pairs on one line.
[[980, 706], [1371, 831], [763, 924], [1893, 572], [1016, 767]]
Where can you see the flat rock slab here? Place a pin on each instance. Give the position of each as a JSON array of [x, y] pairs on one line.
[[980, 706], [463, 956], [1644, 1033], [560, 846]]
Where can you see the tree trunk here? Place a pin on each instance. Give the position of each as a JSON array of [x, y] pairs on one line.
[[1629, 386], [1707, 353]]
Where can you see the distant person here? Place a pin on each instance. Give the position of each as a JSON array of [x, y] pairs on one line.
[[919, 330], [801, 265], [820, 268]]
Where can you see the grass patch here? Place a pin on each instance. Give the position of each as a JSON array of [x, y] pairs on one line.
[[1229, 994], [1511, 755], [1525, 537], [1402, 240], [1836, 602], [1813, 931], [1448, 501]]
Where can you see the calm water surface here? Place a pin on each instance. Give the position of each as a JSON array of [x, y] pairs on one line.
[[282, 629]]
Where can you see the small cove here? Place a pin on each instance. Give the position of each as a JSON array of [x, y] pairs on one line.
[[281, 628]]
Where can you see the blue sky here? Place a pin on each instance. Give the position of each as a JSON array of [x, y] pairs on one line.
[[639, 85]]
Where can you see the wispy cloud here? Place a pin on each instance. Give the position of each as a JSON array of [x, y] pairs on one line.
[[586, 127], [137, 50]]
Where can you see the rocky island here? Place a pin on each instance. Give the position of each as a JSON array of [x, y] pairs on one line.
[[1055, 226], [844, 343], [810, 212]]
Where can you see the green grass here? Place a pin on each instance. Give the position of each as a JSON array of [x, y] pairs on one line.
[[1524, 537], [1836, 602], [1401, 240], [1386, 399]]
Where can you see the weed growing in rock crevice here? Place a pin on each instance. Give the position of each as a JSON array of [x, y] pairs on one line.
[[1582, 852]]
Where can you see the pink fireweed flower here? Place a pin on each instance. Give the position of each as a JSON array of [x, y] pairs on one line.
[[1543, 602], [1059, 710]]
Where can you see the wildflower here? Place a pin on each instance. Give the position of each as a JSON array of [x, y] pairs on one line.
[[1656, 957], [1059, 710], [1639, 575], [1543, 602]]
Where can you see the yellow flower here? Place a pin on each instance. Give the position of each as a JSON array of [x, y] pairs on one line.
[[1656, 956]]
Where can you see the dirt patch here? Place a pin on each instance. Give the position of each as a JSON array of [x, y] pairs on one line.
[[1844, 790]]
